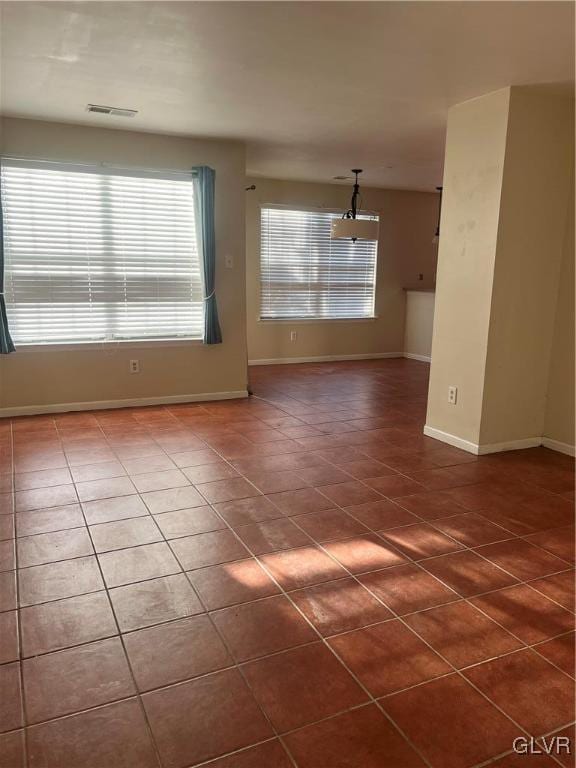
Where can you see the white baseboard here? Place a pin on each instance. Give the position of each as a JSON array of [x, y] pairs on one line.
[[556, 445], [414, 356], [484, 448], [323, 358], [453, 440], [100, 405]]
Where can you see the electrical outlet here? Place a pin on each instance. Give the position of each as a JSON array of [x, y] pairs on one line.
[[452, 395], [134, 366], [293, 335]]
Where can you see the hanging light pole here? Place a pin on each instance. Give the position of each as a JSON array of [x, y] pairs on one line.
[[349, 227]]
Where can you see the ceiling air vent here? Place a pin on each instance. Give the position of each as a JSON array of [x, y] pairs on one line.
[[113, 111]]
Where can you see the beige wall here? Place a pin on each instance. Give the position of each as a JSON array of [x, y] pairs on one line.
[[507, 184], [419, 324], [532, 226], [407, 225], [473, 171], [559, 422], [45, 376]]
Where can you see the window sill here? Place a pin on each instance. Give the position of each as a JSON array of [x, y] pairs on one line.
[[107, 346], [312, 321]]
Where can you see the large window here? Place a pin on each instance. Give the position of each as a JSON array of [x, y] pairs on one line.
[[99, 254], [305, 274]]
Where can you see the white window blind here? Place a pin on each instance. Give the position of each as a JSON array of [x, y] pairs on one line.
[[99, 254], [305, 274]]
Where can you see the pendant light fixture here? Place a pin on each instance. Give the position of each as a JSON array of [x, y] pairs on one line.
[[436, 237], [349, 227]]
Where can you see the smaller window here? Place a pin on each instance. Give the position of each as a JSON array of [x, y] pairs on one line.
[[305, 274]]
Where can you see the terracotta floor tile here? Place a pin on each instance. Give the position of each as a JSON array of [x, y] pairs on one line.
[[559, 542], [349, 494], [63, 623], [270, 754], [137, 563], [526, 613], [7, 590], [521, 559], [471, 529], [78, 678], [103, 471], [274, 482], [361, 554], [301, 686], [421, 540], [7, 555], [394, 486], [519, 682], [159, 481], [51, 547], [57, 580], [112, 735], [563, 756], [518, 760], [437, 479], [7, 504], [323, 475], [560, 651], [381, 515], [173, 499], [11, 699], [188, 522], [152, 602], [47, 520], [227, 490], [9, 650], [207, 473], [44, 478], [301, 567], [148, 464], [467, 573], [12, 750], [272, 535], [262, 627], [108, 510], [195, 458], [431, 505], [462, 634], [407, 588], [208, 549], [124, 533], [246, 511], [388, 657], [41, 498], [204, 718], [329, 524], [558, 587], [222, 585], [451, 724], [7, 527], [300, 502], [175, 651], [339, 606], [110, 488], [363, 738], [365, 468]]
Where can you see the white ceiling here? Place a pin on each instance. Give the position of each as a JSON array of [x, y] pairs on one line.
[[314, 88]]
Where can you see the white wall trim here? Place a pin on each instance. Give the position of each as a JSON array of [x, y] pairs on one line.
[[99, 405], [511, 445], [446, 437], [414, 356], [556, 445], [323, 358]]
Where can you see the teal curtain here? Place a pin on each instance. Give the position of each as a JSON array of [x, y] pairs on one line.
[[205, 233], [6, 343]]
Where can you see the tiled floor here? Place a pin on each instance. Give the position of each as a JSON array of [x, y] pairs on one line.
[[299, 579]]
